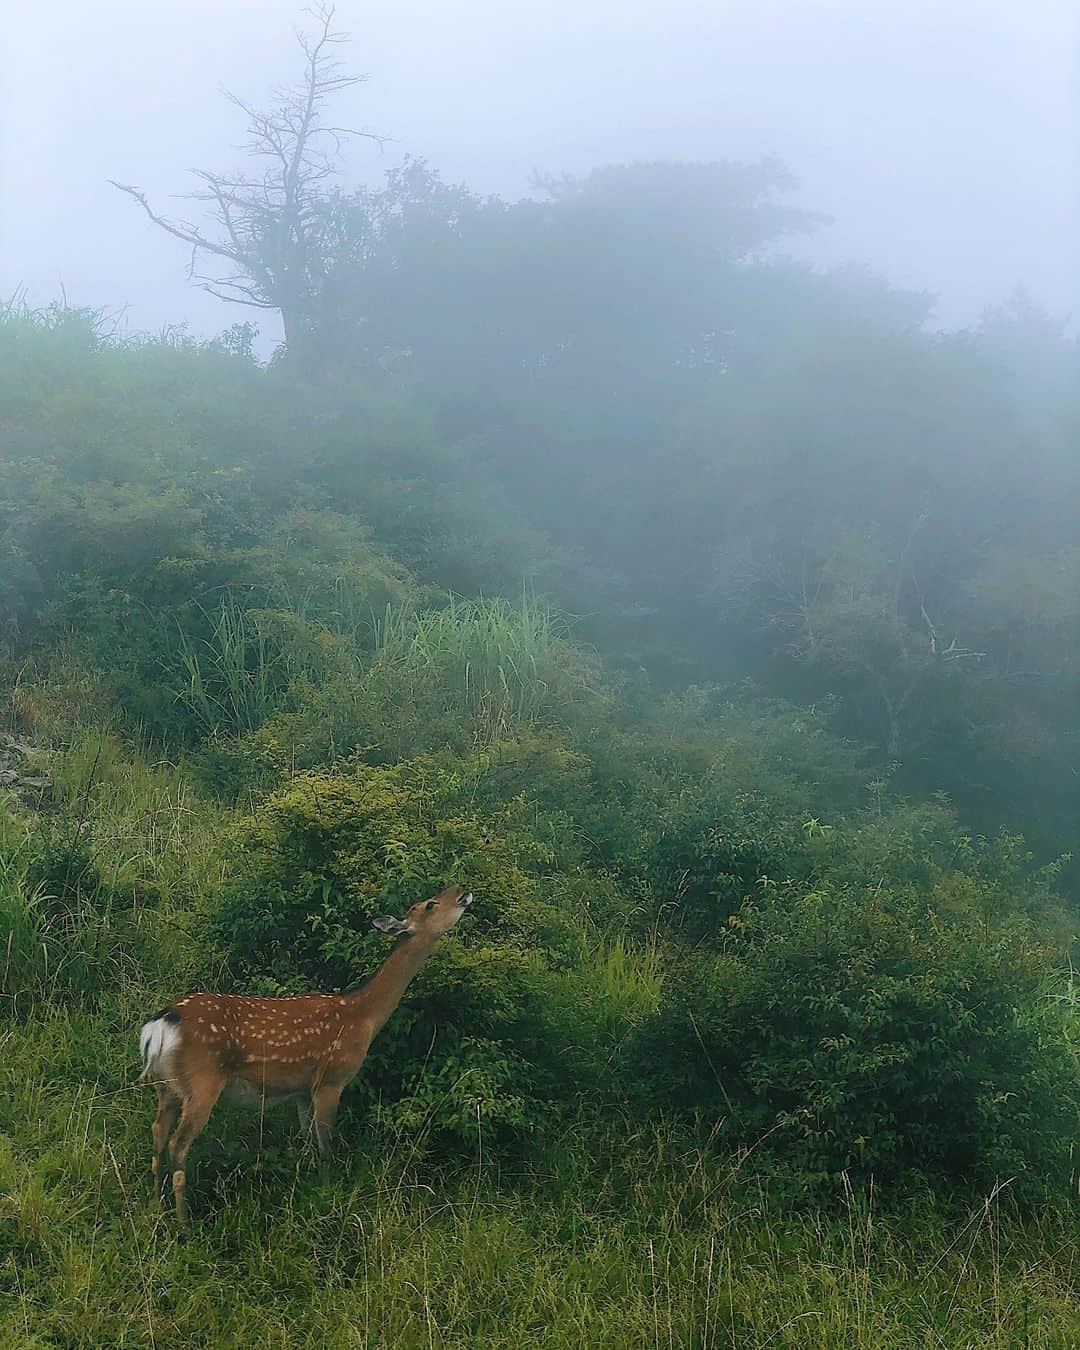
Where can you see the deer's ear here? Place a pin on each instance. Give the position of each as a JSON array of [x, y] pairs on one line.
[[386, 923]]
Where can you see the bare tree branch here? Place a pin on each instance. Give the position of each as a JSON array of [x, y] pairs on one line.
[[189, 234], [269, 223]]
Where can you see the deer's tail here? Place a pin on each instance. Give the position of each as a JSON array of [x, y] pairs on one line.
[[157, 1040]]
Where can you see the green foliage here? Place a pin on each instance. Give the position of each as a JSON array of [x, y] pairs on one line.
[[475, 1089], [326, 853], [322, 856], [870, 997], [462, 677], [872, 1034], [777, 494]]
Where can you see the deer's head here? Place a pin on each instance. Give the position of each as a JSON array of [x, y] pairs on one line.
[[430, 918]]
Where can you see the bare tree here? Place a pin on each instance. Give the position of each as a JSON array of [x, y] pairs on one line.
[[268, 248]]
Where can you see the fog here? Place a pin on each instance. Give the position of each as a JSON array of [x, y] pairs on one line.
[[940, 139]]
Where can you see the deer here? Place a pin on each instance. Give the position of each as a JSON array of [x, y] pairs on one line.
[[259, 1052]]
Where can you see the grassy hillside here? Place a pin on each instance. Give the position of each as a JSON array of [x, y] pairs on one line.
[[744, 1042]]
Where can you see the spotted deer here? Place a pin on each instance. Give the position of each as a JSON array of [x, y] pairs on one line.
[[258, 1052]]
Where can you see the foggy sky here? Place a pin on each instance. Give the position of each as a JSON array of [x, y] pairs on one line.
[[941, 137]]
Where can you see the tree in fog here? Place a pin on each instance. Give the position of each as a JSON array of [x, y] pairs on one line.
[[270, 245]]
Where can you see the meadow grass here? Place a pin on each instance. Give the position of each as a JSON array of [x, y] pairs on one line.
[[633, 1240]]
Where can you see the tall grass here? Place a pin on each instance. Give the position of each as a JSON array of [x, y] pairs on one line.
[[623, 983], [231, 677], [500, 665], [24, 958], [95, 895], [141, 820]]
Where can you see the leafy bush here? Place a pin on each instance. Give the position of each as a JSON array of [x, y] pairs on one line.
[[323, 855], [869, 1032], [327, 852]]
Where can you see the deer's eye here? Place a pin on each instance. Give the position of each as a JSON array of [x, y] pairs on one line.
[[430, 905]]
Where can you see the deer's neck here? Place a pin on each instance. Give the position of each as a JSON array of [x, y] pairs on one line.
[[382, 993]]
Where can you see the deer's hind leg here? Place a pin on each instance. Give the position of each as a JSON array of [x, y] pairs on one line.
[[198, 1104], [325, 1101], [304, 1113], [168, 1110]]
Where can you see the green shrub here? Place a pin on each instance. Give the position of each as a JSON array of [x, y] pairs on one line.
[[863, 1031], [323, 855]]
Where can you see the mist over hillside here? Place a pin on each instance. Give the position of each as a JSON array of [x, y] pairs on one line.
[[708, 611]]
